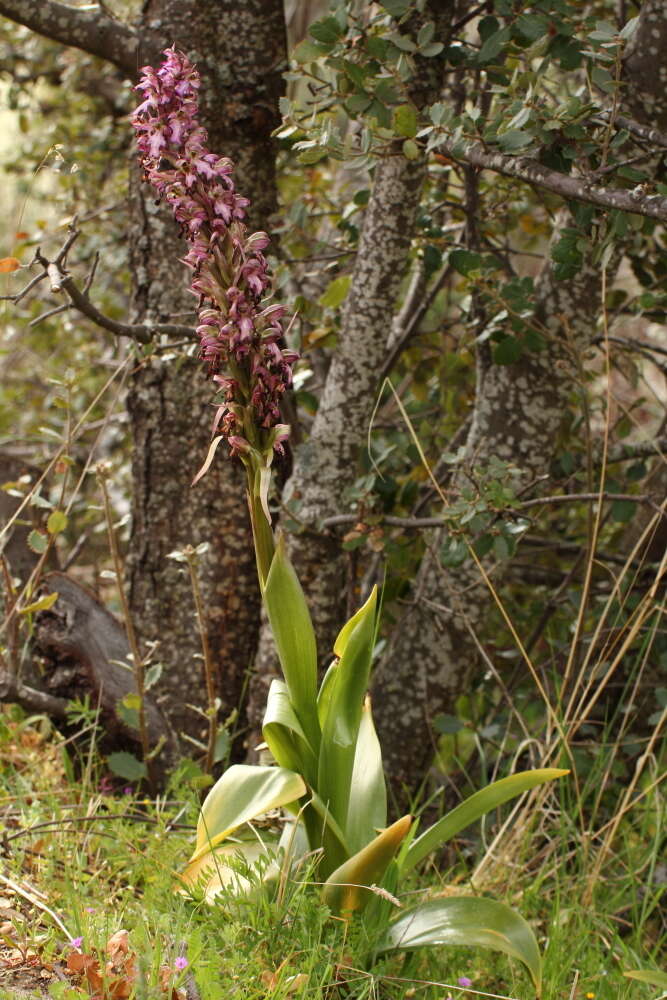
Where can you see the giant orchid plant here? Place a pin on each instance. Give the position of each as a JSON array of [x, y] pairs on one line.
[[327, 776]]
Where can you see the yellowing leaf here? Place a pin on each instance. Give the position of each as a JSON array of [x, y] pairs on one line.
[[335, 292], [209, 458], [241, 794], [213, 873], [43, 604], [8, 264], [57, 522], [349, 887]]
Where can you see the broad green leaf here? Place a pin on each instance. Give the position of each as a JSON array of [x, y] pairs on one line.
[[514, 139], [125, 765], [335, 292], [328, 30], [397, 8], [283, 733], [213, 873], [241, 794], [307, 51], [339, 732], [493, 45], [475, 807], [348, 888], [467, 920], [367, 810], [324, 832], [410, 150], [507, 351], [37, 541], [324, 694], [465, 261], [348, 628], [652, 976], [295, 639], [153, 675]]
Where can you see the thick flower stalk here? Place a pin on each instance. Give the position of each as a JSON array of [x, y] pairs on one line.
[[240, 333]]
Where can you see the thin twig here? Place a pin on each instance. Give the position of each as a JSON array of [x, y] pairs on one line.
[[439, 522], [190, 554], [35, 902], [138, 665]]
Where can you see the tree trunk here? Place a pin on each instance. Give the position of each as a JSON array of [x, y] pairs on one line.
[[431, 655], [327, 463], [239, 50]]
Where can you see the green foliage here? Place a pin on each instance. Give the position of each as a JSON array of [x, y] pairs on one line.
[[330, 776]]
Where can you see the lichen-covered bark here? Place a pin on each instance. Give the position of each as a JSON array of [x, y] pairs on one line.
[[517, 415], [239, 50], [92, 30], [326, 464], [645, 67]]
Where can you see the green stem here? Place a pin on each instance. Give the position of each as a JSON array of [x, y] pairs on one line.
[[261, 532]]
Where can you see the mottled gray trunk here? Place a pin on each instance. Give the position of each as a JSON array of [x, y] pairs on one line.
[[240, 51], [326, 464], [518, 410]]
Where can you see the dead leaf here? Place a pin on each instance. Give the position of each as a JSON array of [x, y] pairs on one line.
[[8, 264], [118, 944]]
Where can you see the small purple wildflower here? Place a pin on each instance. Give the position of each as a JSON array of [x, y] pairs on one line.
[[240, 335], [464, 981], [76, 942], [181, 963]]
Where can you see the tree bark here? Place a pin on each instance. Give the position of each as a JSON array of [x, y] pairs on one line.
[[327, 463], [239, 50], [518, 411]]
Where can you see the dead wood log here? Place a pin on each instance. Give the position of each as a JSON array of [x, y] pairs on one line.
[[82, 649]]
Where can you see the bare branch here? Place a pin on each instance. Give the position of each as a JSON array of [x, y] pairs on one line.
[[439, 522], [651, 135], [92, 30], [574, 188], [61, 281], [13, 690]]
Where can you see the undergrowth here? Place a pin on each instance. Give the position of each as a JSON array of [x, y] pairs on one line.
[[82, 860]]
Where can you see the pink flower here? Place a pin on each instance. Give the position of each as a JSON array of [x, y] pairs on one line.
[[240, 335], [76, 942], [464, 981], [181, 963]]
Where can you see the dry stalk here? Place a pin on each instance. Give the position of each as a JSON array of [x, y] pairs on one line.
[[138, 665]]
